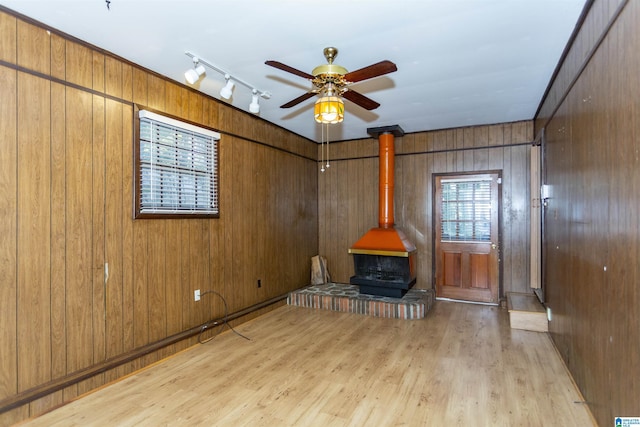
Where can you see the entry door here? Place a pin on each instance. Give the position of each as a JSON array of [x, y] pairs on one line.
[[466, 237]]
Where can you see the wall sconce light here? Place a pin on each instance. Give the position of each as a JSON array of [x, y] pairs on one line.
[[193, 75]]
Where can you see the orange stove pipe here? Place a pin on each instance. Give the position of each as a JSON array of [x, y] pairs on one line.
[[386, 180], [385, 240]]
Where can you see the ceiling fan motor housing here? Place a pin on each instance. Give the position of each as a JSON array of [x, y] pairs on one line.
[[329, 74], [329, 69]]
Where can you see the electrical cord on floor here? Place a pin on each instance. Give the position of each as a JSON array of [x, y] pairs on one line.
[[224, 321]]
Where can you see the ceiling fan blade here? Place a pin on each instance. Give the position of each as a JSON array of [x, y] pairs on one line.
[[361, 100], [289, 69], [374, 70], [298, 100]]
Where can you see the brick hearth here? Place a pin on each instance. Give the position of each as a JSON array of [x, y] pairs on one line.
[[347, 298]]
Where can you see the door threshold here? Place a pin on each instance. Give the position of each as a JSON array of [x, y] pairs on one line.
[[495, 304]]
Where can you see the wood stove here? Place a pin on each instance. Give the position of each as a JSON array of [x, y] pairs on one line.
[[383, 275], [384, 258]]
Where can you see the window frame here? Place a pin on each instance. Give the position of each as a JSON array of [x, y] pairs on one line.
[[187, 125]]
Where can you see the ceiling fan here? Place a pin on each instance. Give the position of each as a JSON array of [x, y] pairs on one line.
[[333, 80]]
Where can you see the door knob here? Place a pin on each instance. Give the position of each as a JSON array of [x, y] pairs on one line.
[[494, 246]]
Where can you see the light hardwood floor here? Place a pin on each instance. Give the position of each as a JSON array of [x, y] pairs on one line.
[[461, 365]]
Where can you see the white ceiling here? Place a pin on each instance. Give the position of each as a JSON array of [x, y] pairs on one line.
[[460, 62]]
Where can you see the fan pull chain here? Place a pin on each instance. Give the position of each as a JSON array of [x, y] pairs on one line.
[[324, 142], [328, 145], [322, 149]]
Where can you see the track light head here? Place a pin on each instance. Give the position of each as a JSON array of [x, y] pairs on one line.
[[227, 90], [194, 74], [254, 107]]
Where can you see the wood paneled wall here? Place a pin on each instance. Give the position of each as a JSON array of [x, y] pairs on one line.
[[66, 144], [348, 193], [592, 227]]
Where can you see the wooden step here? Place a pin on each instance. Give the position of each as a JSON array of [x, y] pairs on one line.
[[526, 312]]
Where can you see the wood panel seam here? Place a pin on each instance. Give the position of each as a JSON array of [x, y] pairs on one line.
[[447, 150], [132, 104]]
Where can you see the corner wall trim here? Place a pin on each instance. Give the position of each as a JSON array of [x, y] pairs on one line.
[[582, 67]]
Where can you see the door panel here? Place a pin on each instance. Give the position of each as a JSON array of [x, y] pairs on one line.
[[466, 234], [479, 269], [452, 263]]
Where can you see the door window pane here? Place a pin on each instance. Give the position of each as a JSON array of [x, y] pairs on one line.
[[466, 211]]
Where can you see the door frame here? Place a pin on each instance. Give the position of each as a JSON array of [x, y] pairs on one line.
[[544, 197], [434, 177]]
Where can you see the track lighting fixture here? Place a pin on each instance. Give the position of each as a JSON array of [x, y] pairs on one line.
[[254, 107], [227, 90], [198, 71], [194, 74]]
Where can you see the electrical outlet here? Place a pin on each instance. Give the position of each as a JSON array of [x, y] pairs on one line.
[[196, 295], [259, 283]]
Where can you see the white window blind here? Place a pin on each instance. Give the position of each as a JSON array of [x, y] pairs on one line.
[[177, 167], [466, 210]]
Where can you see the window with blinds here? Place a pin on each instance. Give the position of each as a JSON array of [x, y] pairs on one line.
[[466, 211], [177, 168]]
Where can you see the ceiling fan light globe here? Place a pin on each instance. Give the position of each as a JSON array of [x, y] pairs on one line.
[[329, 110]]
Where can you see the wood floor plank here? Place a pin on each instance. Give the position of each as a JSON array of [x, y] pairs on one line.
[[461, 365]]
